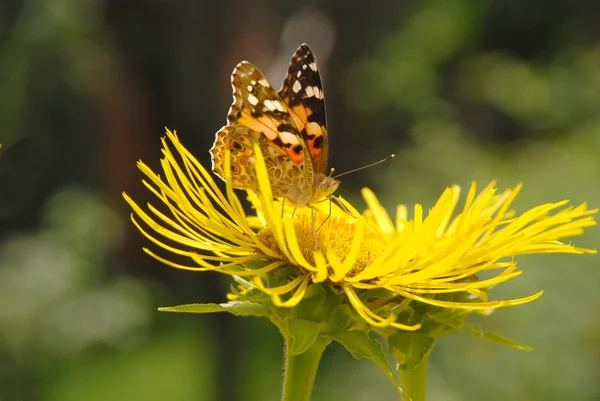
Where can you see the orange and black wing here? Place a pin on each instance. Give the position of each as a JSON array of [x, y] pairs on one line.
[[257, 106], [258, 115], [302, 93]]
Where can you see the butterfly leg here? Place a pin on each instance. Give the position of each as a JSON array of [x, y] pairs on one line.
[[313, 218], [328, 216]]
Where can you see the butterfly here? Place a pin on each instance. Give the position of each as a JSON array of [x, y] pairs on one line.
[[289, 127]]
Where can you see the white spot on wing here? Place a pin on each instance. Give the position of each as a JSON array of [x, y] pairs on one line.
[[304, 67], [309, 91], [250, 88], [296, 87], [253, 82], [272, 104], [288, 137], [299, 74], [313, 66], [269, 104], [318, 93], [263, 83], [313, 128], [253, 100]]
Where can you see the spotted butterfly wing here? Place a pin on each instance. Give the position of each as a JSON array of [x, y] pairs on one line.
[[302, 92], [258, 115], [257, 106]]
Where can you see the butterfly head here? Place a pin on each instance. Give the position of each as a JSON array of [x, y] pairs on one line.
[[326, 185]]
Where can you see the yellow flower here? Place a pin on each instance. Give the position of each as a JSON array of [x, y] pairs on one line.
[[420, 259]]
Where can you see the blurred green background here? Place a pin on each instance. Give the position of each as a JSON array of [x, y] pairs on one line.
[[459, 90]]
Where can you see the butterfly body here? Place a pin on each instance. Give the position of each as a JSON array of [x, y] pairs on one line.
[[289, 127]]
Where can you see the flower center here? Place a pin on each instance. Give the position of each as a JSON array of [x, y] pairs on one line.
[[335, 234]]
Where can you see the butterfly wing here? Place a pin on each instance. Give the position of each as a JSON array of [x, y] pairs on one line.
[[258, 114], [302, 93], [257, 106], [286, 178]]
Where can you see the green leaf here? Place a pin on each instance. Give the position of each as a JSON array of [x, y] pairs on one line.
[[360, 345], [410, 348], [477, 331], [314, 290], [300, 334], [315, 307], [234, 307], [340, 320], [443, 321]]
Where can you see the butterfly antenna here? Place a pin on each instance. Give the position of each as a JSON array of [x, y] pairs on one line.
[[364, 167]]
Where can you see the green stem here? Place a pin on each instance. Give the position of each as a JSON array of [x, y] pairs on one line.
[[413, 381], [300, 371]]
